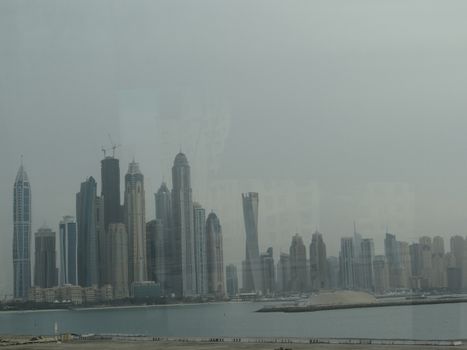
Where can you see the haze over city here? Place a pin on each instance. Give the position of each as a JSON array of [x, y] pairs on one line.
[[316, 106]]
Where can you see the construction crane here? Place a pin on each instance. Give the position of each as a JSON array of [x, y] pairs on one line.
[[113, 147]]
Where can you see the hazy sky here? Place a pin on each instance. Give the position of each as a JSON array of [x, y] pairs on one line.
[[367, 99]]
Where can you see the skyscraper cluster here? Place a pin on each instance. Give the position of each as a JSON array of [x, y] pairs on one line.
[[420, 266], [109, 245]]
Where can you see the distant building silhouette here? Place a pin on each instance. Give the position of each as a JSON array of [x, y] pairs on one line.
[[110, 173], [200, 245], [380, 267], [215, 256], [135, 220], [68, 251], [318, 262], [283, 273], [367, 257], [183, 271], [251, 264], [45, 265], [155, 252], [21, 235], [87, 215], [347, 263], [163, 201], [268, 272], [298, 269], [232, 280], [118, 257]]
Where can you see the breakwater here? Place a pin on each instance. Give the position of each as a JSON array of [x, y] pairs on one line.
[[314, 308]]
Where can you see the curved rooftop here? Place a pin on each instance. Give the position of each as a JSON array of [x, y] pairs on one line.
[[180, 160]]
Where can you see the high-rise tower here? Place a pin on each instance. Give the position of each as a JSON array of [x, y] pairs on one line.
[[45, 266], [110, 173], [318, 262], [21, 235], [68, 251], [164, 217], [251, 265], [87, 218], [135, 219], [298, 275], [199, 228], [182, 207], [215, 256]]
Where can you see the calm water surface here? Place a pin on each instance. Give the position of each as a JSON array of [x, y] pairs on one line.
[[446, 321]]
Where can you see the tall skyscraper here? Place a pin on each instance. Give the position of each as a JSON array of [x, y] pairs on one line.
[[164, 216], [268, 272], [406, 264], [87, 221], [426, 273], [347, 263], [45, 265], [283, 273], [367, 255], [182, 208], [215, 256], [333, 272], [118, 257], [110, 173], [21, 235], [381, 274], [318, 262], [155, 252], [298, 270], [135, 220], [393, 258], [251, 265], [199, 226], [232, 280], [68, 251]]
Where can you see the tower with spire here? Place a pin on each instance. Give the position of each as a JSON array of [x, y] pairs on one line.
[[135, 219], [21, 234]]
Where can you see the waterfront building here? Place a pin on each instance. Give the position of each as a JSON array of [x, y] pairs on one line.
[[135, 220], [251, 264], [21, 235], [45, 264], [215, 256], [333, 272], [87, 219], [268, 272], [163, 203], [426, 259], [110, 174], [232, 280], [459, 250], [155, 252], [318, 262], [347, 264], [393, 259], [298, 270], [406, 265], [68, 251], [283, 273], [367, 256], [199, 227], [118, 257], [380, 267], [184, 273], [438, 245]]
